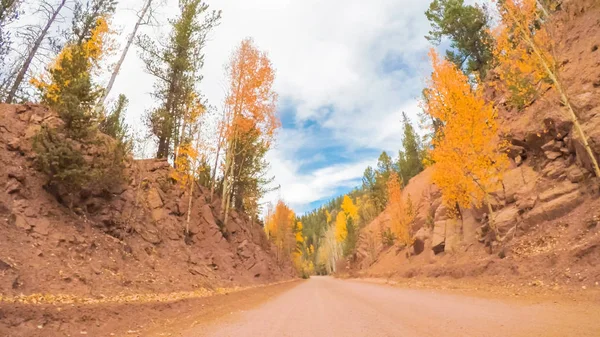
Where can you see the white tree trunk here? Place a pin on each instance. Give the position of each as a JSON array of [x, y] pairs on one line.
[[115, 72], [32, 53]]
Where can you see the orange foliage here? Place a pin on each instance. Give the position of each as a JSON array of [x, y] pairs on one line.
[[92, 51], [187, 153], [279, 226], [251, 101], [521, 68], [185, 163], [401, 216], [466, 150]]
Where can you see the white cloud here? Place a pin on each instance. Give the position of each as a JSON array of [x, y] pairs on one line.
[[299, 189], [327, 53]]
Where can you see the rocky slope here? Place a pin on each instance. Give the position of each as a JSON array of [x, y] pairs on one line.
[[127, 240], [549, 207]]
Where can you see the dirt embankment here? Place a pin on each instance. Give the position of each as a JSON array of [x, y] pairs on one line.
[[128, 239], [549, 207]]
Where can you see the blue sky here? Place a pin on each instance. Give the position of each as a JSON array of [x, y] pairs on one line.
[[346, 69]]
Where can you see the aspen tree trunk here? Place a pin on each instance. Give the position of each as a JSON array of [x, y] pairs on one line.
[[32, 53], [230, 187], [227, 175], [542, 8], [562, 92], [189, 210], [181, 135], [491, 216], [115, 72], [228, 155], [214, 170]]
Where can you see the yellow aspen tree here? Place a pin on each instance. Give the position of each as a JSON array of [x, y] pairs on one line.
[[351, 216], [303, 254], [251, 107], [349, 208], [396, 210], [524, 43], [341, 231], [469, 163], [187, 153], [279, 225], [67, 86]]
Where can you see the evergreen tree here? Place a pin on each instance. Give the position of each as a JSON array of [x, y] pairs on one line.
[[467, 27], [251, 121], [114, 124], [409, 160], [68, 88], [85, 18], [385, 167], [176, 66]]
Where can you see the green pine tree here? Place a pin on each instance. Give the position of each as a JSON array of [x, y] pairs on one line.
[[467, 27], [176, 65], [410, 161]]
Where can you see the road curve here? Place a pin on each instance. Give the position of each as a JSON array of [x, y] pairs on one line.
[[329, 307]]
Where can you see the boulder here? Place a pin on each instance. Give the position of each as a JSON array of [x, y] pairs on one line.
[[507, 217], [575, 174], [514, 151], [554, 208], [13, 186], [444, 237], [232, 226], [159, 165], [583, 160], [158, 214], [32, 130], [182, 204], [154, 199], [585, 101], [441, 213], [4, 266], [552, 155], [439, 233], [208, 215], [550, 146], [557, 191], [194, 227], [3, 208], [569, 144], [525, 203], [19, 175], [518, 160], [41, 226], [14, 144], [259, 268], [554, 169], [242, 244], [149, 233], [20, 222], [419, 240], [36, 119]]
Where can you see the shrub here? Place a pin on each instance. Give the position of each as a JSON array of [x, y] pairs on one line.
[[56, 157], [387, 237]]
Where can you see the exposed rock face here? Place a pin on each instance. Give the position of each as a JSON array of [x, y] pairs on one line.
[[130, 238], [546, 210], [554, 208]]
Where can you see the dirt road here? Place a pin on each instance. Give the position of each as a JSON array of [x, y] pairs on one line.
[[329, 307]]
